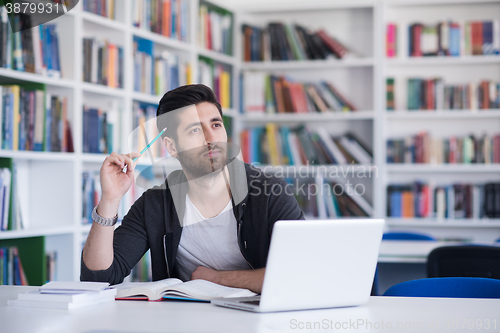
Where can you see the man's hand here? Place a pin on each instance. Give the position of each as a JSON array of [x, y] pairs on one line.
[[248, 279]]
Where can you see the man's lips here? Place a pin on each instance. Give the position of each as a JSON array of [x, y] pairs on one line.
[[212, 153]]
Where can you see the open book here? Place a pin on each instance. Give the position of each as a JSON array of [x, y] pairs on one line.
[[176, 289]]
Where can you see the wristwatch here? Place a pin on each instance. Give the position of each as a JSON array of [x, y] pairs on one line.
[[102, 220]]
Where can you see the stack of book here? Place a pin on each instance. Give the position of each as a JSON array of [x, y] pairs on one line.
[[169, 18], [300, 146], [422, 148], [11, 269], [104, 8], [33, 119], [282, 42], [432, 94], [452, 38], [102, 63], [100, 130], [33, 50], [454, 201], [218, 77], [155, 75], [215, 28], [65, 295], [274, 94]]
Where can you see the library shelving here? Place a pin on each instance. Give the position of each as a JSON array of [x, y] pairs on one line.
[[50, 183]]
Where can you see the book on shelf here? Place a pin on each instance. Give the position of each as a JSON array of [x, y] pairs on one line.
[[100, 129], [215, 26], [389, 97], [144, 117], [102, 63], [34, 50], [176, 289], [341, 200], [218, 77], [142, 271], [264, 93], [65, 295], [169, 18], [31, 252], [434, 94], [104, 8], [391, 40], [51, 257], [443, 201], [448, 38], [11, 209], [11, 268], [289, 42], [33, 119], [301, 146], [157, 74], [422, 148]]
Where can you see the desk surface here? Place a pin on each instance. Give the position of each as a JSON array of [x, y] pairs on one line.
[[379, 315]]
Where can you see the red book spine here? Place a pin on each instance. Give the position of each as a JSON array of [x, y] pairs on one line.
[[485, 104], [333, 44], [477, 38], [417, 33]]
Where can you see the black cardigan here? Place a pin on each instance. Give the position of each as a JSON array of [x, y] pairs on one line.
[[259, 200]]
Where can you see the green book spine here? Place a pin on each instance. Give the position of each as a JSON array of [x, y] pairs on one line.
[[32, 254]]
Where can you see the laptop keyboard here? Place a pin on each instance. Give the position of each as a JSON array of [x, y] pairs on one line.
[[252, 302]]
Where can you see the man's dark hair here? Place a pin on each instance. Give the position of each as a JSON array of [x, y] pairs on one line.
[[191, 94]]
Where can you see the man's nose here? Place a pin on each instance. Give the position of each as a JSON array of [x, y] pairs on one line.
[[209, 135]]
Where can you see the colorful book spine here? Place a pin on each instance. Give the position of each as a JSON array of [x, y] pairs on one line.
[[102, 63], [104, 8]]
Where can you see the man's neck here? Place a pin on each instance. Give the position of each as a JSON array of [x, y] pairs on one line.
[[211, 193]]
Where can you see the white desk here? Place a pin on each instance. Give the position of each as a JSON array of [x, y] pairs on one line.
[[146, 317]]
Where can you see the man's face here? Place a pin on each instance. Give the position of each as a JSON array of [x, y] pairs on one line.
[[201, 145]]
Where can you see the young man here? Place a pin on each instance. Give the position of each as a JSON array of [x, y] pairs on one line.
[[212, 220]]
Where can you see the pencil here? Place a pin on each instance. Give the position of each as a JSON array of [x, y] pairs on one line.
[[146, 148]]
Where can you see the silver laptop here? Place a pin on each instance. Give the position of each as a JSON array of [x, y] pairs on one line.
[[314, 264]]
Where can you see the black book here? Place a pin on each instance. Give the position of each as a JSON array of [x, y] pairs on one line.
[[310, 44], [303, 40], [287, 48], [489, 200], [497, 200], [275, 51], [320, 46]]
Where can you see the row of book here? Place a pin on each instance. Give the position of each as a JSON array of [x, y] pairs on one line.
[[275, 94], [282, 42], [33, 119], [51, 260], [33, 50], [422, 148], [102, 63], [104, 8], [454, 201], [301, 146], [142, 271], [215, 28], [100, 132], [156, 75], [11, 268], [5, 194], [169, 18], [218, 77], [432, 94], [91, 195], [144, 117], [453, 38]]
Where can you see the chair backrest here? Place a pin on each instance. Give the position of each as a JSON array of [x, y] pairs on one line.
[[407, 236], [454, 287], [464, 261]]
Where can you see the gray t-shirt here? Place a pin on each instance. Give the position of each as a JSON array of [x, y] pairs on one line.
[[209, 242]]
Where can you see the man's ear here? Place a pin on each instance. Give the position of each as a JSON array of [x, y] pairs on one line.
[[170, 145]]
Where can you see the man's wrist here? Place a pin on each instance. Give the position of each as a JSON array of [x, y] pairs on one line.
[[108, 208]]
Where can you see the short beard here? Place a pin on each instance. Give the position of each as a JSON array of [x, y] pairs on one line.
[[196, 166]]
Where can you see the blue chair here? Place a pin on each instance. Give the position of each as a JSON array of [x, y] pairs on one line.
[[450, 287], [407, 236]]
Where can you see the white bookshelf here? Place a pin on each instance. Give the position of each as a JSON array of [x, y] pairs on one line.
[[52, 181]]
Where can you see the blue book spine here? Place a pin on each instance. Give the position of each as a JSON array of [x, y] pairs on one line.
[[488, 37], [454, 41], [7, 124], [48, 48], [395, 200], [93, 131], [256, 145], [5, 266], [100, 120]]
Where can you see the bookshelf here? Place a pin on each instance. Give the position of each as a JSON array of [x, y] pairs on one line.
[[53, 181]]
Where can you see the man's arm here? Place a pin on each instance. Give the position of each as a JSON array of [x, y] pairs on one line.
[[247, 279]]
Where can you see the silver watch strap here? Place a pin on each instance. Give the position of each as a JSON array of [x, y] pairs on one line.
[[102, 220]]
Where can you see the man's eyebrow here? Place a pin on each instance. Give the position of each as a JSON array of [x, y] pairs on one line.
[[199, 123]]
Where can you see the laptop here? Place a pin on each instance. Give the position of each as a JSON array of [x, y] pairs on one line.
[[316, 264]]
